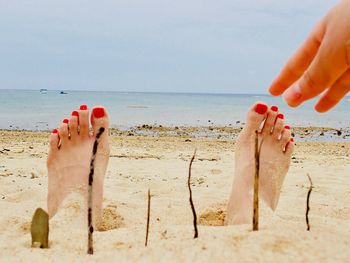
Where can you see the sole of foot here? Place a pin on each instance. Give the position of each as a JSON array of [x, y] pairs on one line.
[[70, 153], [276, 147]]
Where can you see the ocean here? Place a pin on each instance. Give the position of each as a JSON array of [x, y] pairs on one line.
[[34, 110]]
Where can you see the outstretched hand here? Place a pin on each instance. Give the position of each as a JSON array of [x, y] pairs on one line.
[[322, 63]]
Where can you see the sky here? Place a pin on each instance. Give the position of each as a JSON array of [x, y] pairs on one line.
[[221, 46]]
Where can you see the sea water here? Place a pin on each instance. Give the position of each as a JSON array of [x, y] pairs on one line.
[[35, 110]]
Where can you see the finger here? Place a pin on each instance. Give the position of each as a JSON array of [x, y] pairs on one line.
[[299, 62], [328, 66], [334, 94]]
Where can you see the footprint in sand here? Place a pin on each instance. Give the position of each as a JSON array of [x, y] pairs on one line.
[[111, 219], [214, 216]]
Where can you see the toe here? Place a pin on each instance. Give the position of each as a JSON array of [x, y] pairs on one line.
[[54, 140], [270, 121], [285, 137], [279, 125], [73, 124], [289, 147], [63, 131], [256, 116], [99, 119], [84, 121]]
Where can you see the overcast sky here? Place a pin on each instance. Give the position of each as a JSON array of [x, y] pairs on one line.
[[225, 46]]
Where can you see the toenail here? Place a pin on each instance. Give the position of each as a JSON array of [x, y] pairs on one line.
[[281, 116], [291, 139], [260, 108], [75, 113], [98, 112], [287, 127], [83, 107], [274, 108], [65, 121], [54, 131]]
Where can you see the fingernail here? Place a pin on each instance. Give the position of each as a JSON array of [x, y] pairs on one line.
[[54, 131], [287, 127], [75, 113], [260, 108], [281, 116], [83, 107], [98, 112], [293, 93], [274, 108], [291, 139], [65, 121]]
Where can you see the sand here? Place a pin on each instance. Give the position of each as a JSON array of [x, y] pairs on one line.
[[161, 164]]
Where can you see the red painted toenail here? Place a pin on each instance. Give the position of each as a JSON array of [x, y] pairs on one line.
[[83, 107], [274, 108], [292, 140], [98, 112], [75, 113], [281, 116], [54, 131], [65, 121], [287, 127], [260, 108]]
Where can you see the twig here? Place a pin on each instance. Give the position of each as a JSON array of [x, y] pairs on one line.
[[148, 216], [308, 203], [191, 201], [256, 185], [90, 187]]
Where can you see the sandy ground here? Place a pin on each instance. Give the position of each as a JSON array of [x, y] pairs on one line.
[[161, 164]]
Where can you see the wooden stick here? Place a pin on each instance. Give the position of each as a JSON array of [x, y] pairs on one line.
[[191, 201], [90, 187], [308, 203], [256, 184], [148, 216]]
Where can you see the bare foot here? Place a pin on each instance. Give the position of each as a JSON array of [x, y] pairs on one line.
[[275, 155], [69, 159]]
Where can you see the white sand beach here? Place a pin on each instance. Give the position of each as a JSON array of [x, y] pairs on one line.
[[161, 164]]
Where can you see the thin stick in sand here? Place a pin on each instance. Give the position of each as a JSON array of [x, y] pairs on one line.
[[191, 201], [308, 203], [148, 216], [90, 187], [256, 184]]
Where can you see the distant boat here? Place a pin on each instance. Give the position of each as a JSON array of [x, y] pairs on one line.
[[62, 92], [43, 91]]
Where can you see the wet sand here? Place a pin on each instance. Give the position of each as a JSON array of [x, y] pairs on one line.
[[160, 162]]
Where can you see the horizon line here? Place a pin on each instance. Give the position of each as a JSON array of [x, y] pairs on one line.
[[125, 91], [151, 92]]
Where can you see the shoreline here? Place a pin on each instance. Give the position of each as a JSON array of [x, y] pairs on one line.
[[312, 133]]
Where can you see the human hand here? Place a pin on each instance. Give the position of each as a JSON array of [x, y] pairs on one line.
[[322, 63]]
